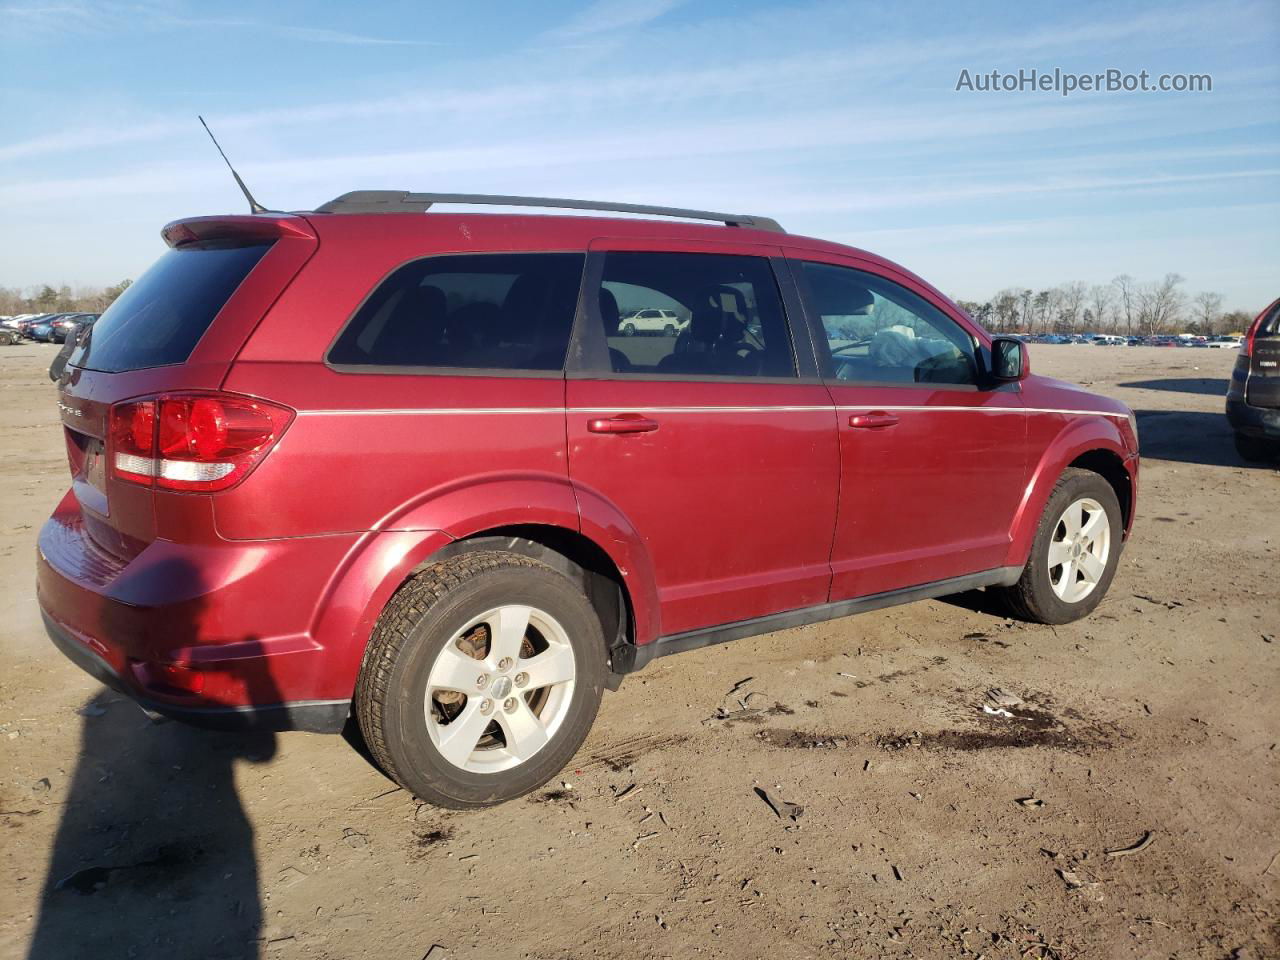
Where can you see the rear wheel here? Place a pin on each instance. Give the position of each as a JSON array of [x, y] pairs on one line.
[[1256, 449], [1075, 552], [481, 680]]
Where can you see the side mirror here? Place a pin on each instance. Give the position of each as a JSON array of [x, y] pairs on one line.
[[1009, 359]]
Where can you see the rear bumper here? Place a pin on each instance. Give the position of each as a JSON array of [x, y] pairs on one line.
[[215, 634], [1254, 421], [315, 717]]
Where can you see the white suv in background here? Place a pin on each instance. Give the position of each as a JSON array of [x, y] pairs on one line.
[[665, 322]]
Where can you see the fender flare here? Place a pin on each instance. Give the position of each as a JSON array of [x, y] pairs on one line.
[[604, 523], [1076, 438], [382, 559]]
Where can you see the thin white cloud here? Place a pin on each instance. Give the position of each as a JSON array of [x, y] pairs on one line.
[[876, 63], [309, 34], [108, 17], [607, 16]]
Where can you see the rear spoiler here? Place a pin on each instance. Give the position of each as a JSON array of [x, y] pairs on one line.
[[245, 228]]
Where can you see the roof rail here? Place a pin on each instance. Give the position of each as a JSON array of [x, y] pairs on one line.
[[401, 201]]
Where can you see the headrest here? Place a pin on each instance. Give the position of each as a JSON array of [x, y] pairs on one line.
[[609, 311]]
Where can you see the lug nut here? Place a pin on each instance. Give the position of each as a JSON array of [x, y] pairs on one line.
[[486, 707], [509, 704], [504, 663], [521, 679], [482, 681]]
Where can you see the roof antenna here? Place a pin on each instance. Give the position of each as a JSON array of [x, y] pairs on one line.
[[254, 205]]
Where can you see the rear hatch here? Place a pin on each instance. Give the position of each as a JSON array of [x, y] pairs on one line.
[[179, 327], [1262, 388]]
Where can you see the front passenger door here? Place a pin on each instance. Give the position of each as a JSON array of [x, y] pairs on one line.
[[932, 459]]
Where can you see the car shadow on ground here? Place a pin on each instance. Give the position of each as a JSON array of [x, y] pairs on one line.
[[1190, 437], [1204, 386], [154, 853]]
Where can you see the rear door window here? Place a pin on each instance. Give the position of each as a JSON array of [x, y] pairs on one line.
[[159, 319], [477, 311], [725, 316]]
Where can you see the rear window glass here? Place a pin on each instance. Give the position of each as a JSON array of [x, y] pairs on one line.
[[487, 311], [159, 319]]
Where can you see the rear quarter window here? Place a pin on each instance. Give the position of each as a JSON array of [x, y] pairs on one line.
[[160, 318], [476, 311]]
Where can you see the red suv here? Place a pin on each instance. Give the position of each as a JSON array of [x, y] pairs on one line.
[[377, 461]]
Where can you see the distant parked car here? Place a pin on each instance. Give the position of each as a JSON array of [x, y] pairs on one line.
[[1253, 395], [70, 323], [26, 322], [42, 331], [665, 322], [45, 328], [1225, 342]]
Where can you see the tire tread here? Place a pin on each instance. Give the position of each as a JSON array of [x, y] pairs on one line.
[[394, 629], [1020, 599]]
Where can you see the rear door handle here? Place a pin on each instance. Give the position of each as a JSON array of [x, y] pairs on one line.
[[873, 420], [622, 423]]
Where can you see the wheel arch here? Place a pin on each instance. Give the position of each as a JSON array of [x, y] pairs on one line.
[[572, 554], [1089, 443], [1111, 467], [382, 562]]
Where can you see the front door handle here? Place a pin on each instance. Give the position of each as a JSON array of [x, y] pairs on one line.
[[873, 420], [622, 423]]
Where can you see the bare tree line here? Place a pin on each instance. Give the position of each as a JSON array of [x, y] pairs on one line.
[[62, 299], [1125, 305]]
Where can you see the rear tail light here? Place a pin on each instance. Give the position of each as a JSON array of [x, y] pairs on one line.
[[197, 441], [1247, 349], [1255, 329]]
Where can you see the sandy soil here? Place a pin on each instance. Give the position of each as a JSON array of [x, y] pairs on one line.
[[1155, 717]]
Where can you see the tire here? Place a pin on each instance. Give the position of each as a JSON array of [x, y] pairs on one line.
[[1042, 596], [406, 716], [6, 338], [628, 329], [1256, 449], [669, 330]]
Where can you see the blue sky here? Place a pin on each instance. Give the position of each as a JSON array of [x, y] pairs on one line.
[[840, 120]]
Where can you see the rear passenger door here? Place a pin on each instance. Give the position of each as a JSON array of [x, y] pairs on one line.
[[716, 444], [933, 456]]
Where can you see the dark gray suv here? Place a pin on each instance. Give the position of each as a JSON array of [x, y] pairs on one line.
[[1253, 397]]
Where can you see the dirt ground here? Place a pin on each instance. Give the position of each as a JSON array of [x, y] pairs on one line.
[[928, 828]]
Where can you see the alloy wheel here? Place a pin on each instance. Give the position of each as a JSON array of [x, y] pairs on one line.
[[500, 689], [1079, 550]]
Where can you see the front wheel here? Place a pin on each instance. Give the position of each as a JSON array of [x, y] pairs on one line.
[[1075, 552], [481, 680], [628, 329]]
